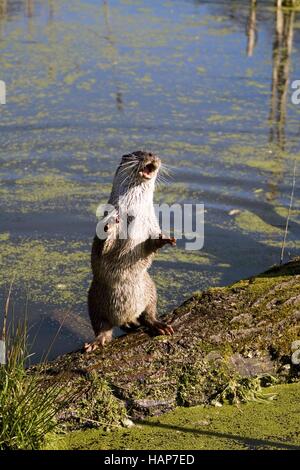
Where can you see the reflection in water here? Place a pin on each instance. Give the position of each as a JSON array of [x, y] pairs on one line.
[[10, 8], [29, 8], [3, 7], [51, 10], [282, 49], [251, 28], [3, 13], [52, 68], [113, 52]]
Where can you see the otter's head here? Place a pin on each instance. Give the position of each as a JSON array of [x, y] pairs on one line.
[[139, 167]]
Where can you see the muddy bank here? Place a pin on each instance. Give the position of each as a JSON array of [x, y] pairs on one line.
[[223, 337]]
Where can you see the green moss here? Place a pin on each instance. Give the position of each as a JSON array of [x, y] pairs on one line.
[[201, 70], [250, 426], [268, 158], [190, 385], [219, 118], [244, 389], [50, 192], [284, 211], [50, 270], [183, 256], [173, 194], [250, 222], [253, 83], [169, 295], [98, 407], [4, 237]]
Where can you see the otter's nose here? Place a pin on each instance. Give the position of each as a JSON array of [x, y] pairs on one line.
[[154, 161]]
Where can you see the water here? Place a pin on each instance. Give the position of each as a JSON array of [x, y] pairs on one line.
[[205, 84]]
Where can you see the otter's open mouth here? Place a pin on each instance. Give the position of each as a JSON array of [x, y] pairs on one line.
[[148, 171]]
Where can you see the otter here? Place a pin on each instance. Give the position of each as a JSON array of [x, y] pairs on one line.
[[122, 293]]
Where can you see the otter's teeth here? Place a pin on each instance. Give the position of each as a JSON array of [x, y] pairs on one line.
[[145, 174]]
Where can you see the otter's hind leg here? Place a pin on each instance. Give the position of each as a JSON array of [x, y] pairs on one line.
[[149, 319], [101, 325], [149, 316]]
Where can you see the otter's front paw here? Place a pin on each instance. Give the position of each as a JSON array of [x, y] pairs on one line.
[[166, 241]]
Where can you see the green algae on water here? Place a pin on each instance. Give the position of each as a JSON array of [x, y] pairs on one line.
[[50, 270], [250, 222]]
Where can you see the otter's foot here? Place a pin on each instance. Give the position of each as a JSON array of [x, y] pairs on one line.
[[103, 338], [161, 328], [156, 327], [129, 327], [149, 318]]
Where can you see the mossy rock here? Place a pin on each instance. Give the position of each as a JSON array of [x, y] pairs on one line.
[[253, 426], [222, 336]]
